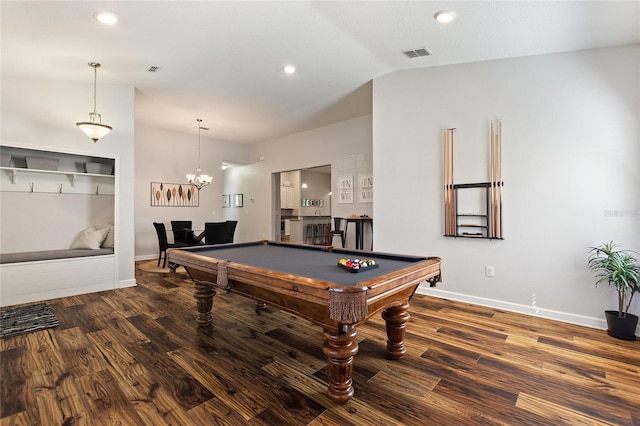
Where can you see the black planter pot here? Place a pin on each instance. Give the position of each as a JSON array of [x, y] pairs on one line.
[[621, 328]]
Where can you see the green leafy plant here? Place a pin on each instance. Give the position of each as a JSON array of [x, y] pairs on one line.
[[618, 268]]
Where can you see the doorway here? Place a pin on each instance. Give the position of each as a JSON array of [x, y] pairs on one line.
[[301, 197]]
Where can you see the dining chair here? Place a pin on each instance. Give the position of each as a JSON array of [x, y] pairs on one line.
[[181, 230], [230, 230], [219, 232], [164, 244], [213, 232]]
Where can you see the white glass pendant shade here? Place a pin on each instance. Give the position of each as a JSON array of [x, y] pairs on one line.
[[94, 127]]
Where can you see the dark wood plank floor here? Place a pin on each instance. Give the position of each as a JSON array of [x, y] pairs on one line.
[[135, 357]]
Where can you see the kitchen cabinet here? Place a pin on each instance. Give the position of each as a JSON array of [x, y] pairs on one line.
[[290, 190], [287, 200]]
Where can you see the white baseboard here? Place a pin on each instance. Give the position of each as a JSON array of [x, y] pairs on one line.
[[127, 283], [146, 257], [592, 322]]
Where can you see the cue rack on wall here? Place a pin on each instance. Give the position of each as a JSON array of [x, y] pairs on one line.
[[486, 222]]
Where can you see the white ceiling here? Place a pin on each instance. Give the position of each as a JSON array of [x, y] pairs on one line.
[[221, 60]]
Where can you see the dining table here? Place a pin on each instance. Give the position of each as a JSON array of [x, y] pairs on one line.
[[191, 235]]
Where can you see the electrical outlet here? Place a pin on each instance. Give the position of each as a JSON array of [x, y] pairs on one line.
[[488, 271]]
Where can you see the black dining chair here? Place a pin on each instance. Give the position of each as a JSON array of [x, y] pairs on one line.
[[181, 230], [163, 244], [230, 230], [219, 232]]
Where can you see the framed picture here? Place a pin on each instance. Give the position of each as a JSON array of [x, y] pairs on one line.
[[174, 195], [345, 190], [226, 201], [237, 200]]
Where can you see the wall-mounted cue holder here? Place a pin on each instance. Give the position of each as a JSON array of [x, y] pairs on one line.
[[485, 198]]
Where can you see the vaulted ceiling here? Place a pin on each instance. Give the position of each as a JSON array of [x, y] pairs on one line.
[[222, 60]]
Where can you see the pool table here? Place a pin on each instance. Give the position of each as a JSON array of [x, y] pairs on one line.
[[307, 281]]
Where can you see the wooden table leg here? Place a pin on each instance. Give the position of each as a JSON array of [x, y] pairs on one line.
[[340, 347], [204, 292], [396, 318]]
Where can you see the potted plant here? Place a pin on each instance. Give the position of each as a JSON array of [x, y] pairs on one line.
[[622, 270]]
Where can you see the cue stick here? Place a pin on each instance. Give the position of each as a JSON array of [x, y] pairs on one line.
[[491, 180], [490, 222], [449, 155], [496, 177], [500, 171], [449, 182], [452, 209], [445, 182]]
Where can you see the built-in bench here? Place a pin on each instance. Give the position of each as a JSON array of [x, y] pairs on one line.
[[42, 275], [34, 256]]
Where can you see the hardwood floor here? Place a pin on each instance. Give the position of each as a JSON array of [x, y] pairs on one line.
[[136, 357]]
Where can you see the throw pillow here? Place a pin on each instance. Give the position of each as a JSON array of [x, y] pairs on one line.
[[109, 241], [90, 239]]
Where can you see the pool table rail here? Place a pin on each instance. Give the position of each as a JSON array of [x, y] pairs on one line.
[[324, 303]]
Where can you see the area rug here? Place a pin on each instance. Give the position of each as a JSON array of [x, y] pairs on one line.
[[26, 319], [152, 266]]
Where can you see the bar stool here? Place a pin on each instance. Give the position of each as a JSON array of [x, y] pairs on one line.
[[337, 230], [310, 233], [320, 234]]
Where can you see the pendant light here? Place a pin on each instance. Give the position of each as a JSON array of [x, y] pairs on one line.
[[198, 179], [94, 127]]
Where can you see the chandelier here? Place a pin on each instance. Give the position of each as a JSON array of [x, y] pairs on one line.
[[198, 179], [94, 127]]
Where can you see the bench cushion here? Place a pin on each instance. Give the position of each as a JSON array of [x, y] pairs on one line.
[[32, 256]]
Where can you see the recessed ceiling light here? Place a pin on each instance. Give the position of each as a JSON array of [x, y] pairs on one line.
[[106, 17], [289, 69], [445, 16]]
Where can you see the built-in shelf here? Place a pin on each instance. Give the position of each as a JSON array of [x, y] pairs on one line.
[[72, 175]]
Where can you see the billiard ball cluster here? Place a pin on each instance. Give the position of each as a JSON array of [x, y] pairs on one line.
[[357, 263]]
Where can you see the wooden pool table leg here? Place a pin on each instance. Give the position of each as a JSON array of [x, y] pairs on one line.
[[396, 318], [203, 294], [340, 347]]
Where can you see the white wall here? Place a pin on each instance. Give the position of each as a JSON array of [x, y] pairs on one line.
[[325, 145], [55, 226], [167, 156], [38, 114], [570, 166]]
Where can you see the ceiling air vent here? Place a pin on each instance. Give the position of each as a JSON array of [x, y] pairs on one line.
[[416, 53], [153, 69]]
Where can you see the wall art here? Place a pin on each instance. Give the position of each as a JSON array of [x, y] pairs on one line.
[[174, 195]]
